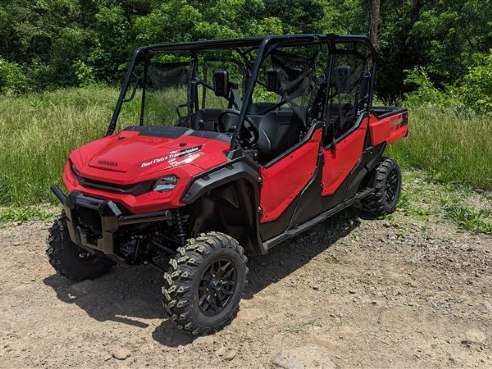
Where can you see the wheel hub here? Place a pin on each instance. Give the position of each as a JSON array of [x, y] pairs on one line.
[[391, 187], [217, 286]]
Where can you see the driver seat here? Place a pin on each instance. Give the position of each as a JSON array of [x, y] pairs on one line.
[[279, 131]]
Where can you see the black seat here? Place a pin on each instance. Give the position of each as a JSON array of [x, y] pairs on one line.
[[206, 119], [279, 131]]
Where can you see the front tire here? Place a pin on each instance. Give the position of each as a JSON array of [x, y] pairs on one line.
[[387, 189], [70, 260], [204, 284]]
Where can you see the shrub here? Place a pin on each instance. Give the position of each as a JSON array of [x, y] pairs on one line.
[[12, 78], [426, 94], [477, 89]]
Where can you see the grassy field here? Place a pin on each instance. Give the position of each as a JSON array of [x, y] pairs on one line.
[[39, 131], [449, 146]]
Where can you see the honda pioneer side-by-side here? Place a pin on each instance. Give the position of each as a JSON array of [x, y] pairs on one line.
[[239, 145]]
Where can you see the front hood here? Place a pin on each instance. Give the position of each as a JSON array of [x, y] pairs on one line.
[[134, 155]]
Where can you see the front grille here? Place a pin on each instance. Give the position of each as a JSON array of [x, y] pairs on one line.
[[134, 189]]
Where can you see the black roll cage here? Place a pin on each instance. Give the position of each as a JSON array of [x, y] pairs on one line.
[[265, 45]]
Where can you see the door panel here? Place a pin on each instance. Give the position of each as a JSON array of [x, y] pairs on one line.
[[340, 162], [285, 179]]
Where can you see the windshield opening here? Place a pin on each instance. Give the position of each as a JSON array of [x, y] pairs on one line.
[[175, 87]]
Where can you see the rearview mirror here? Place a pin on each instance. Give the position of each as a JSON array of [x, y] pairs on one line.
[[342, 75], [273, 80], [221, 83]]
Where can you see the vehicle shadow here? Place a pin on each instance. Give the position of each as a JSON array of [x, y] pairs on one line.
[[131, 295], [291, 255]]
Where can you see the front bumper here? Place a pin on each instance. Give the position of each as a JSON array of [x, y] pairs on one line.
[[107, 212]]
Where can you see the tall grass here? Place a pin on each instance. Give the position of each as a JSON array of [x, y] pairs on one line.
[[451, 146], [38, 132]]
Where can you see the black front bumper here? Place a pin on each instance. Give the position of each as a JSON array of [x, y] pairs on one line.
[[108, 213]]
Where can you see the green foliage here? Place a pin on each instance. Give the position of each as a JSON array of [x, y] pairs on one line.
[[426, 94], [434, 53], [477, 88], [60, 43], [12, 78]]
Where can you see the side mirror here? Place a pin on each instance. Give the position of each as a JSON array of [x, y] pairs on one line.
[[134, 85], [342, 75], [221, 83], [273, 80]]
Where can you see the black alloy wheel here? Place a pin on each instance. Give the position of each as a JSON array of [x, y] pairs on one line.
[[217, 286], [387, 189], [204, 284]]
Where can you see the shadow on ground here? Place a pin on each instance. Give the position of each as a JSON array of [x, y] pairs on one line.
[[130, 295]]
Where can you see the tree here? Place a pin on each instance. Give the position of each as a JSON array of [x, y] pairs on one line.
[[373, 34]]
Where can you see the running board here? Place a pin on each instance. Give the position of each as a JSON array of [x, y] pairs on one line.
[[312, 222]]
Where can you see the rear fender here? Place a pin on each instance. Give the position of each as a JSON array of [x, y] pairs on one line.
[[389, 128]]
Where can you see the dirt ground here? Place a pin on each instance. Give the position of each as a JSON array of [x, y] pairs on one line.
[[352, 292]]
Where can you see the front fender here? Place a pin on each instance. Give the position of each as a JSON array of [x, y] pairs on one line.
[[235, 173]]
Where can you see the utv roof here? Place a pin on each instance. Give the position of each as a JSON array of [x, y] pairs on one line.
[[257, 41]]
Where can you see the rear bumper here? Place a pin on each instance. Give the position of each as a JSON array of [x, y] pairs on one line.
[[108, 213]]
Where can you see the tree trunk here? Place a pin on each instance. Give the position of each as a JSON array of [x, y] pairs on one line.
[[373, 34]]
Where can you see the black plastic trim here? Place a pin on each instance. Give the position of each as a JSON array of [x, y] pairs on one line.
[[384, 111], [177, 131], [233, 171], [230, 171], [310, 223]]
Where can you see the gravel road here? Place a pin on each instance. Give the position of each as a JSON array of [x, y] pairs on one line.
[[351, 293]]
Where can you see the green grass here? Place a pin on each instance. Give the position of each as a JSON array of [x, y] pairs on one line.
[[423, 198], [13, 214], [479, 221], [452, 147], [38, 131]]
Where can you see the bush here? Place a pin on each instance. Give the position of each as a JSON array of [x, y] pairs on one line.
[[426, 94], [477, 89], [12, 78]]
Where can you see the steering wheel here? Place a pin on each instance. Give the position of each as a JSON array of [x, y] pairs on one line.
[[227, 123]]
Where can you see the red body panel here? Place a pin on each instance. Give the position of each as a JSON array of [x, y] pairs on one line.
[[388, 129], [340, 162], [129, 158], [285, 179]]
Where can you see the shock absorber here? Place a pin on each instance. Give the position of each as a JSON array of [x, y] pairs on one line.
[[179, 225]]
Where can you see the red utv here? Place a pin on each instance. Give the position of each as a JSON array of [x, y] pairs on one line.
[[240, 145]]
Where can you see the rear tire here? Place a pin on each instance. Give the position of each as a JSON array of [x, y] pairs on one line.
[[387, 189], [70, 260], [204, 284]]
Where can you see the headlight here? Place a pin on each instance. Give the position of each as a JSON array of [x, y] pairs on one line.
[[166, 184]]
